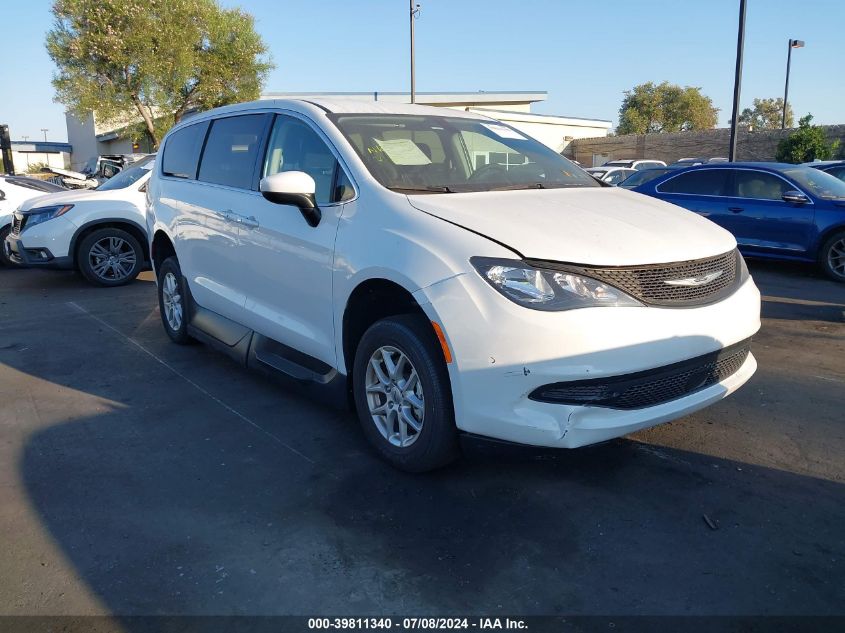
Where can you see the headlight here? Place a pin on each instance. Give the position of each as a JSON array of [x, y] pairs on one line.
[[548, 289], [42, 214]]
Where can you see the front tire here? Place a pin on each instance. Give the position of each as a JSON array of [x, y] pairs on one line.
[[4, 260], [172, 301], [403, 396], [832, 257], [110, 257]]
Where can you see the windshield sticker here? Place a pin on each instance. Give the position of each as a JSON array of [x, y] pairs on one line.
[[503, 132], [403, 151]]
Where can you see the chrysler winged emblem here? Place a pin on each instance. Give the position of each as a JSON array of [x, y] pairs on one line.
[[695, 281]]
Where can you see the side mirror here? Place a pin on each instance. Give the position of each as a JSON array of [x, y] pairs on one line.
[[295, 188], [795, 197]]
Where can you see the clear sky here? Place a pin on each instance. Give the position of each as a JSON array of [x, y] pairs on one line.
[[585, 54]]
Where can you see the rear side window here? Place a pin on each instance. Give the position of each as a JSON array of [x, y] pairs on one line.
[[705, 182], [759, 185], [231, 151], [182, 151]]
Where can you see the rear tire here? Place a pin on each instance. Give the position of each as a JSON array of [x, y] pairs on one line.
[[410, 422], [832, 257], [172, 302], [110, 257]]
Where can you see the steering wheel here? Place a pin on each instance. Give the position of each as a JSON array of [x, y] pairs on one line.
[[490, 173]]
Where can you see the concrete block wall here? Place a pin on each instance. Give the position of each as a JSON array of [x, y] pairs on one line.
[[669, 147]]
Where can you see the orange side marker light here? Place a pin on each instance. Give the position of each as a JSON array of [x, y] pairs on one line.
[[447, 354]]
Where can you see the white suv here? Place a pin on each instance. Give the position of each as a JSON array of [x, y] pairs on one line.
[[102, 233], [14, 190], [447, 272]]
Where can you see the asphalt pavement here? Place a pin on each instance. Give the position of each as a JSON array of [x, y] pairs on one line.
[[139, 477]]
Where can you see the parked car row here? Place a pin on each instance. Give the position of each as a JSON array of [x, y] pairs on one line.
[[774, 210]]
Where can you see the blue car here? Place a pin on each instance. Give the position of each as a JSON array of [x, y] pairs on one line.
[[775, 210]]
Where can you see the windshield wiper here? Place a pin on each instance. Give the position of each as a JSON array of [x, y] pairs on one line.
[[443, 189], [524, 185]]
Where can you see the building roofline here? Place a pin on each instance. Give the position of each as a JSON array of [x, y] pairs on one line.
[[552, 116], [41, 147]]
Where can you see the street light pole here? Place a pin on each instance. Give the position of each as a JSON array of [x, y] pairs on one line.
[[414, 12], [740, 45], [792, 44]]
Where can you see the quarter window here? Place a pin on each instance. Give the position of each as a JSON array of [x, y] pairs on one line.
[[759, 185], [838, 172], [705, 182], [294, 146], [231, 151], [182, 151]]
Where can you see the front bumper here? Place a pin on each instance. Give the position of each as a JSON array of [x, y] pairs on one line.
[[44, 245], [503, 352]]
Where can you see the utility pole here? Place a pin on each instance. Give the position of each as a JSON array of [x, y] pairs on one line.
[[415, 11], [792, 44], [45, 130], [740, 45]]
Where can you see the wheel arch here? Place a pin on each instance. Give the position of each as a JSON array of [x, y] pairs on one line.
[[825, 235], [161, 248], [131, 227], [372, 300]]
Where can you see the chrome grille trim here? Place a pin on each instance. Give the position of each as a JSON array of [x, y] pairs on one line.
[[18, 223]]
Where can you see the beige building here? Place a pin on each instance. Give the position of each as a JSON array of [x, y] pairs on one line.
[[91, 138], [511, 107]]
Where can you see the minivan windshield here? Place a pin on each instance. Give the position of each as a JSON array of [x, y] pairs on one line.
[[129, 176], [442, 154], [820, 183]]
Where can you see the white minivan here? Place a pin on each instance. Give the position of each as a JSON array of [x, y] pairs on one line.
[[448, 273], [101, 232]]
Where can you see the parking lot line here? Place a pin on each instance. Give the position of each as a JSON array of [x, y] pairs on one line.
[[235, 412]]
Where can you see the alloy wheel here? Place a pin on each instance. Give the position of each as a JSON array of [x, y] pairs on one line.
[[112, 258], [172, 300], [836, 257], [395, 396]]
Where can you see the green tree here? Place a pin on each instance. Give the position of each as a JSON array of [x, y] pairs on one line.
[[665, 107], [766, 115], [806, 143], [35, 168], [153, 60]]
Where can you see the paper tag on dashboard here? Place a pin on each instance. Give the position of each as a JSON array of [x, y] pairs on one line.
[[503, 131], [403, 151]]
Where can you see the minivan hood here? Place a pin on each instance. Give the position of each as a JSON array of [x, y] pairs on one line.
[[596, 226]]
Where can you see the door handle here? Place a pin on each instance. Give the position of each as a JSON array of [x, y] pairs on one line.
[[736, 209], [246, 222]]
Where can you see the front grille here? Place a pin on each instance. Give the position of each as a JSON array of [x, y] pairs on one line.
[[650, 387], [650, 284], [18, 223]]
